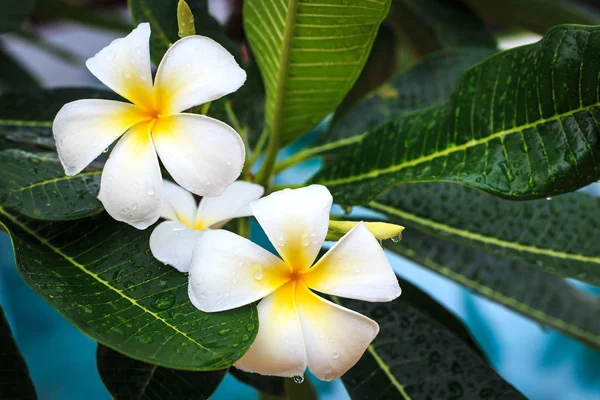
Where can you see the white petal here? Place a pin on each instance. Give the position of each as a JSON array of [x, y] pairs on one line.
[[203, 155], [172, 243], [335, 337], [279, 346], [124, 66], [131, 172], [355, 267], [179, 204], [84, 128], [295, 222], [229, 271], [233, 203], [194, 71]]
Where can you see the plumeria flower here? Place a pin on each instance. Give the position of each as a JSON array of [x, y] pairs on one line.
[[172, 242], [297, 327], [202, 154]]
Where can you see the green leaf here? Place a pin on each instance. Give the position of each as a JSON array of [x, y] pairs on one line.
[[26, 116], [129, 379], [534, 15], [415, 357], [310, 54], [555, 236], [544, 298], [101, 275], [13, 14], [15, 383], [522, 124], [162, 16], [272, 385], [427, 83], [36, 186], [13, 75]]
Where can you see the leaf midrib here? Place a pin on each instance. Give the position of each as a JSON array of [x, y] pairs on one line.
[[463, 233], [72, 261], [50, 181], [449, 150]]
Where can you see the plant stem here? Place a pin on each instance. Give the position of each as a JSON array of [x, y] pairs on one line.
[[244, 227], [236, 125], [314, 151]]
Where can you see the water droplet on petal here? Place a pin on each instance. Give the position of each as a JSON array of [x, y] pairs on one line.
[[258, 274], [127, 74], [298, 379], [335, 355], [397, 238]]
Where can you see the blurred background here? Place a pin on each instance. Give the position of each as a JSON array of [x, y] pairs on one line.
[[51, 50]]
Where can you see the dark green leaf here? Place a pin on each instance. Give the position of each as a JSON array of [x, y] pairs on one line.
[[129, 379], [101, 275], [556, 236], [309, 56], [36, 186], [544, 298], [26, 116], [534, 15], [13, 75], [427, 83], [13, 13], [162, 16], [415, 357], [15, 383], [521, 125], [272, 385]]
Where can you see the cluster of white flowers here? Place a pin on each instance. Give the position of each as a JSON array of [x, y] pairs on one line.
[[298, 329]]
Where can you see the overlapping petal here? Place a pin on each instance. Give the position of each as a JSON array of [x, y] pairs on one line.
[[229, 271], [131, 188], [355, 267], [295, 222], [179, 204], [335, 337], [279, 345], [173, 244], [202, 154], [195, 70], [233, 203], [83, 129], [124, 66]]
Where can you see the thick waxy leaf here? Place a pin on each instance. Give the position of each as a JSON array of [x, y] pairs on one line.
[[415, 357], [129, 379], [534, 15], [521, 125], [26, 116], [36, 186], [547, 299], [15, 383], [427, 83], [272, 385], [557, 236], [13, 14], [310, 54], [162, 16], [100, 274]]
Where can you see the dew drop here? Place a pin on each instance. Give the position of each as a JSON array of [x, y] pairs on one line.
[[223, 332], [127, 74], [548, 198], [397, 238], [105, 150], [298, 379], [335, 355], [258, 274], [164, 302]]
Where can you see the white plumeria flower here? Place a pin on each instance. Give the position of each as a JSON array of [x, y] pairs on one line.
[[172, 242], [202, 154], [297, 327]]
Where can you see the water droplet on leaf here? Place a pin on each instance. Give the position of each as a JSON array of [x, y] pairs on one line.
[[298, 379]]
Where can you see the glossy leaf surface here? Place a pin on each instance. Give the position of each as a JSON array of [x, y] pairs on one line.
[[310, 54], [129, 379], [36, 186], [101, 275], [557, 236], [505, 130]]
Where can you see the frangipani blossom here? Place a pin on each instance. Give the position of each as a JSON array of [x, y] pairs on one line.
[[297, 327], [172, 242], [202, 154]]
